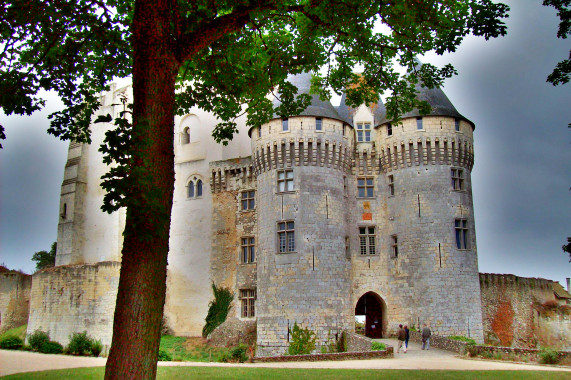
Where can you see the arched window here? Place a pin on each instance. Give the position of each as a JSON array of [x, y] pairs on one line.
[[194, 186], [191, 189], [185, 138], [199, 188]]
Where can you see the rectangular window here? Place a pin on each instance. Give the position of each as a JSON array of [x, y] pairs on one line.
[[344, 127], [419, 123], [367, 240], [248, 298], [285, 125], [318, 124], [248, 250], [394, 245], [389, 129], [457, 125], [363, 132], [457, 179], [286, 236], [365, 187], [260, 131], [248, 200], [461, 227], [391, 185], [285, 180]]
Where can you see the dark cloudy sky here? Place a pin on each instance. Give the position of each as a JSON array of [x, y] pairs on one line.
[[521, 177]]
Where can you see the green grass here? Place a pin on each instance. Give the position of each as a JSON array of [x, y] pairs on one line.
[[191, 349], [20, 332], [297, 373]]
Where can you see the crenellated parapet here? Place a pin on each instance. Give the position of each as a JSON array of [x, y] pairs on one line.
[[232, 174]]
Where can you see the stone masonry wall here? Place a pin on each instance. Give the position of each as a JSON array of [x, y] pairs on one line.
[[15, 290], [75, 298]]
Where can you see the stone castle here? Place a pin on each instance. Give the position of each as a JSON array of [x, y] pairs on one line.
[[313, 219]]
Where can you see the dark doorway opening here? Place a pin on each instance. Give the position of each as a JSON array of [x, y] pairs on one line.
[[372, 307]]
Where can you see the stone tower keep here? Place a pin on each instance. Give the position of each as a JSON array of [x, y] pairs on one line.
[[301, 164]]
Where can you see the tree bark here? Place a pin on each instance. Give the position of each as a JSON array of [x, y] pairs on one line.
[[142, 283]]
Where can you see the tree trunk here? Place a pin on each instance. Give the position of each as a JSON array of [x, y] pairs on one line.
[[142, 283]]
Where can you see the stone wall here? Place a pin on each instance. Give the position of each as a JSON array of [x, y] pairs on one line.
[[15, 290], [75, 298], [357, 342], [441, 342], [514, 316]]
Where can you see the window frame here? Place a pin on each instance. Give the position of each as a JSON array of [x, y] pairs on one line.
[[364, 132], [394, 246], [286, 180], [195, 186], [248, 303], [249, 200], [461, 234], [457, 178], [391, 179], [457, 124], [365, 240], [288, 231], [366, 187], [389, 129], [285, 125], [319, 122], [419, 124], [247, 250]]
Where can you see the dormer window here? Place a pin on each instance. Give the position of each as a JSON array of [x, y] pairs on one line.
[[363, 132]]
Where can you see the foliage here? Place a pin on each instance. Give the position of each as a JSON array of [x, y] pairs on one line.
[[560, 74], [164, 356], [19, 331], [11, 343], [218, 309], [548, 356], [302, 341], [378, 346], [83, 345], [37, 339], [45, 259], [567, 248], [238, 353], [463, 339], [191, 349], [51, 347]]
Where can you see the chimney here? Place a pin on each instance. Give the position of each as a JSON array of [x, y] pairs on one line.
[[568, 284]]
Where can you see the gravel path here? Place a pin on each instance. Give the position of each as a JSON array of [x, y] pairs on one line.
[[415, 358]]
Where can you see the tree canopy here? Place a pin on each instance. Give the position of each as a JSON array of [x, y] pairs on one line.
[[223, 57], [45, 259]]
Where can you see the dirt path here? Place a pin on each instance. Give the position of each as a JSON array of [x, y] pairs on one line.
[[415, 358]]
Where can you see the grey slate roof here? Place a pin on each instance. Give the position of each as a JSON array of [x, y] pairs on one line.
[[317, 107]]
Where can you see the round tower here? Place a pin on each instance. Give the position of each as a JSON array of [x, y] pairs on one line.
[[303, 271], [429, 234]]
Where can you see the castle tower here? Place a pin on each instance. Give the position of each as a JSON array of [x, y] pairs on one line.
[[303, 270], [428, 218]]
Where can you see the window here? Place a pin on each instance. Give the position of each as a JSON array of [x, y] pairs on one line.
[[394, 245], [185, 138], [391, 185], [389, 129], [344, 127], [419, 123], [260, 131], [286, 237], [457, 125], [318, 124], [248, 250], [285, 180], [457, 179], [248, 200], [194, 188], [248, 298], [461, 226], [363, 132], [365, 187], [285, 125], [367, 240]]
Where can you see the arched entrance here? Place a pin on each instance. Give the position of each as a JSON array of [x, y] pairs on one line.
[[372, 307]]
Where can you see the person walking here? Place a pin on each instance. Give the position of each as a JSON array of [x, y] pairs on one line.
[[401, 335], [406, 338], [426, 333]]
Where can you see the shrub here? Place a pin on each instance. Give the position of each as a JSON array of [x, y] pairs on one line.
[[239, 353], [82, 344], [548, 356], [51, 347], [164, 356], [302, 341], [37, 339], [96, 347], [462, 339], [217, 309], [377, 346], [11, 343]]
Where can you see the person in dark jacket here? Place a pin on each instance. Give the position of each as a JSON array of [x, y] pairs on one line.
[[401, 335], [426, 333], [406, 338]]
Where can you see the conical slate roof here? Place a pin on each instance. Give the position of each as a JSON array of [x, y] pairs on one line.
[[317, 107], [378, 110]]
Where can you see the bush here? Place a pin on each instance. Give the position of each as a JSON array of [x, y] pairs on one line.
[[51, 347], [239, 353], [164, 356], [217, 309], [11, 343], [548, 356], [37, 339], [302, 341], [463, 339], [83, 345], [377, 346]]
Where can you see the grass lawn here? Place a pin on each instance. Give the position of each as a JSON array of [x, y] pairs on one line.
[[191, 349], [291, 373], [20, 332]]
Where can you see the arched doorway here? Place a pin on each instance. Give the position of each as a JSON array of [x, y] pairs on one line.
[[372, 307]]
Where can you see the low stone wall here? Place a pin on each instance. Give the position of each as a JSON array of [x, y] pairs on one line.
[[233, 332], [15, 290], [532, 354], [441, 342], [357, 342]]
